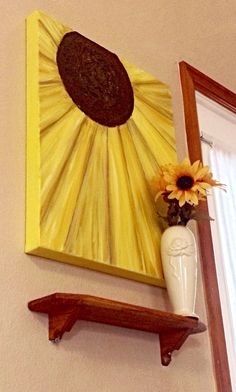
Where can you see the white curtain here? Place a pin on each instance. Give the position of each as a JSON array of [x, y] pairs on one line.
[[222, 206]]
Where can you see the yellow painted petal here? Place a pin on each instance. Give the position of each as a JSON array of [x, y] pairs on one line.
[[121, 207], [151, 137], [146, 156], [143, 213]]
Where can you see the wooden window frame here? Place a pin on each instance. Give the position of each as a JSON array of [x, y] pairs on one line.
[[193, 80]]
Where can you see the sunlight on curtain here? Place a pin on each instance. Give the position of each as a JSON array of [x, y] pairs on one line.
[[222, 206]]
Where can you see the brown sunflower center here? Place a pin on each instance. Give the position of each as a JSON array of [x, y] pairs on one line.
[[185, 182], [95, 79]]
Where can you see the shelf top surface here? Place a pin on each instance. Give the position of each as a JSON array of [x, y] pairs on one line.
[[91, 308]]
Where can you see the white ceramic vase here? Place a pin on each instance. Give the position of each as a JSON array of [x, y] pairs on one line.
[[179, 260]]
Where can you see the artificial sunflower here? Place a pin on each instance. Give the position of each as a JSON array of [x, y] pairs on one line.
[[182, 186], [185, 182]]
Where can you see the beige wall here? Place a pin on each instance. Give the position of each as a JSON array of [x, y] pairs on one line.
[[155, 35]]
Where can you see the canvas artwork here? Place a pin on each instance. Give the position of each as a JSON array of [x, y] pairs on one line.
[[98, 129]]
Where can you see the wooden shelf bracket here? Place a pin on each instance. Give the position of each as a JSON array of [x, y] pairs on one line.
[[65, 309]]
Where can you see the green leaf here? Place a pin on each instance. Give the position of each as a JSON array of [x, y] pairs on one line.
[[199, 217]]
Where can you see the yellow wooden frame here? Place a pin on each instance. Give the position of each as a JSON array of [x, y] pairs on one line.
[[43, 31]]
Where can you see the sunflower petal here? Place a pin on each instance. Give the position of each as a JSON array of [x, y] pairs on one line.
[[204, 185], [185, 162], [171, 187], [194, 198], [182, 200], [175, 195], [202, 172], [158, 195], [198, 188], [171, 179], [195, 166], [188, 196]]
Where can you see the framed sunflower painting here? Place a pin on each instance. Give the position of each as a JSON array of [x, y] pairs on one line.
[[98, 129]]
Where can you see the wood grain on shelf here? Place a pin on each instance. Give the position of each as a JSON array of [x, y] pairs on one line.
[[65, 309]]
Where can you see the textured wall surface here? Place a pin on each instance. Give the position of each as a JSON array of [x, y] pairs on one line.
[[155, 35]]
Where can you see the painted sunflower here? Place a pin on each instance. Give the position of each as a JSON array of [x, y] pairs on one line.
[[95, 203]]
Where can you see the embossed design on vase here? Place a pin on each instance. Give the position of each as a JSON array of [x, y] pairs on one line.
[[179, 260]]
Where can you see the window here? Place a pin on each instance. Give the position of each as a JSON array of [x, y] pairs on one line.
[[194, 81], [217, 127]]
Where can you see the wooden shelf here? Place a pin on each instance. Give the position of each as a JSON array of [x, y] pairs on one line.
[[65, 309]]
